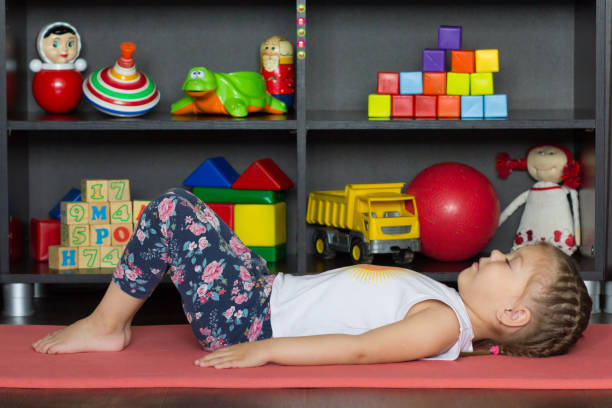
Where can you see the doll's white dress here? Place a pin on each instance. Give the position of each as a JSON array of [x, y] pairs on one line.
[[547, 216]]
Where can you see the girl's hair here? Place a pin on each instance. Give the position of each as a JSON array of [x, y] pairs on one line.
[[58, 30], [559, 316]]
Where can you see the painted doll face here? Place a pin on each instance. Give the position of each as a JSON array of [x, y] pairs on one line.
[[270, 53], [60, 48], [546, 163]]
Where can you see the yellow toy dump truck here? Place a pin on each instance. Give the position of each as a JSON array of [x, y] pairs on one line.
[[363, 220]]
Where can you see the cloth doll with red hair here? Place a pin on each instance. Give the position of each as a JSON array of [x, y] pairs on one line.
[[547, 215]]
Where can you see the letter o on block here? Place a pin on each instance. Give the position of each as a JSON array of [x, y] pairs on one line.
[[121, 233]]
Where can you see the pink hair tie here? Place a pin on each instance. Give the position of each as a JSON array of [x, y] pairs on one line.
[[494, 350]]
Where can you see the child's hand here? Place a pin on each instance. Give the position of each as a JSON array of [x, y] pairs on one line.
[[241, 355]]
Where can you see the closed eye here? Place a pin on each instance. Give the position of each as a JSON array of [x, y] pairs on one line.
[[508, 263]]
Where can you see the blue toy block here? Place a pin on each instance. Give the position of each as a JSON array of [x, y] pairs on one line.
[[495, 106], [73, 195], [411, 83], [434, 60], [472, 106], [449, 38], [214, 172]]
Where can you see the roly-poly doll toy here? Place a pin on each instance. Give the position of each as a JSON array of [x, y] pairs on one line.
[[547, 215], [57, 82], [276, 66]]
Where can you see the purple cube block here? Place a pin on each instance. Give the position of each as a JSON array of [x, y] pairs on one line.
[[434, 60], [449, 37]]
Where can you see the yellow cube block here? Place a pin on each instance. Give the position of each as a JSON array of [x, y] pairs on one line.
[[89, 257], [110, 256], [63, 257], [74, 212], [121, 233], [100, 235], [99, 213], [487, 60], [481, 83], [379, 106], [121, 212], [74, 235], [261, 224], [94, 191], [119, 190], [137, 209], [457, 83]]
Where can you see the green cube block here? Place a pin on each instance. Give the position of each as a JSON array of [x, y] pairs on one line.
[[457, 83], [271, 254], [379, 106], [481, 83], [236, 196]]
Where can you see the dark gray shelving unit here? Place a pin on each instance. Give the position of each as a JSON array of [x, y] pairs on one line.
[[555, 68]]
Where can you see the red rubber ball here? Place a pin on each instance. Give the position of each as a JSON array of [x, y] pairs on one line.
[[458, 210]]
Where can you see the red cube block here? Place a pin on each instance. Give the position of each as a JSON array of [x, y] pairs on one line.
[[44, 232], [449, 106], [402, 106], [225, 211], [388, 83], [425, 106]]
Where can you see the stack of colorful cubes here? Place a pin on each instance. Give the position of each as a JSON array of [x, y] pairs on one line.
[[251, 204], [466, 91]]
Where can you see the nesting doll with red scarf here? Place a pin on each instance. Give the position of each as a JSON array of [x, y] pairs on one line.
[[548, 215]]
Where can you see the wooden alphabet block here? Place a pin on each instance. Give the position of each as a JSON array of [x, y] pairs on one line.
[[119, 190], [94, 191], [110, 256], [89, 257], [62, 257], [121, 233], [74, 235], [100, 235], [120, 212], [74, 212], [99, 213], [138, 207]]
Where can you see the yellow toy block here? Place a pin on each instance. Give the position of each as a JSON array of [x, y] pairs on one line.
[[121, 233], [379, 106], [261, 225], [74, 212], [100, 235], [119, 190], [487, 60], [120, 212], [457, 83], [137, 209], [110, 256], [99, 213], [94, 191], [63, 257], [74, 235], [481, 83], [89, 257]]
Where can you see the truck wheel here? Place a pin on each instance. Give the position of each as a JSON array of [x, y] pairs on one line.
[[360, 252], [403, 257], [321, 246]]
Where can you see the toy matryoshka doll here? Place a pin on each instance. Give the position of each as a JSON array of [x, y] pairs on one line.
[[276, 62], [57, 80]]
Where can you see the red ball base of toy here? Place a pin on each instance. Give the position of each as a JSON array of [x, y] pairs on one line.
[[57, 91], [458, 211]]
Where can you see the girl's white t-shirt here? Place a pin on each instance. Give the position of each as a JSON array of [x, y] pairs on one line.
[[355, 299]]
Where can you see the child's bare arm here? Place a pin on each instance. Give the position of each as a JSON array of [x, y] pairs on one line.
[[429, 331]]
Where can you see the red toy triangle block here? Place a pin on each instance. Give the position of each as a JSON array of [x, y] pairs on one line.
[[263, 174]]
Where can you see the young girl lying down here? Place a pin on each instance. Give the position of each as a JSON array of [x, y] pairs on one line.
[[531, 302]]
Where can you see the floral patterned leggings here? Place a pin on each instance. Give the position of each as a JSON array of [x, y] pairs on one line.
[[224, 286]]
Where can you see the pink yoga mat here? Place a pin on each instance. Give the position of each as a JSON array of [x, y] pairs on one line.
[[162, 356]]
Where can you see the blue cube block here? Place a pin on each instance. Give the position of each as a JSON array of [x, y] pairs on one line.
[[495, 106], [73, 195], [434, 60], [449, 37], [472, 106], [411, 83]]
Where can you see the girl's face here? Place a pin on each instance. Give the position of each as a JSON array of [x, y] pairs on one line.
[[546, 163], [60, 49]]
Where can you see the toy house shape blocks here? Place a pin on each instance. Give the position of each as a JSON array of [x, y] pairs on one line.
[[263, 174], [213, 172]]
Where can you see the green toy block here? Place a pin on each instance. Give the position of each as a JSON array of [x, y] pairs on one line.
[[379, 106], [487, 60], [271, 254], [481, 83], [236, 196], [457, 83]]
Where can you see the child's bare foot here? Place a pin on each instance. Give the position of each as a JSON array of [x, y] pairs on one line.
[[84, 335]]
